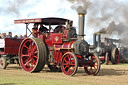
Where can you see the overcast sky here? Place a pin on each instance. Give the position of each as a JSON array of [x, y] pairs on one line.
[[96, 17]]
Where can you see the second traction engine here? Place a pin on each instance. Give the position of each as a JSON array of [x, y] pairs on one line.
[[107, 50], [61, 49]]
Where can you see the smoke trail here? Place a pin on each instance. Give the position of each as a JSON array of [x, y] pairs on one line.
[[13, 7], [109, 17], [80, 6]]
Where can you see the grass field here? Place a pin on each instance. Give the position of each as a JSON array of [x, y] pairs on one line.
[[108, 75]]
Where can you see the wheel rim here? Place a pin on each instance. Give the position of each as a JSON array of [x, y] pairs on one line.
[[94, 65], [69, 64], [28, 55]]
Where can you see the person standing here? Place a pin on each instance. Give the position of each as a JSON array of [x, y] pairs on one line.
[[9, 35], [3, 35]]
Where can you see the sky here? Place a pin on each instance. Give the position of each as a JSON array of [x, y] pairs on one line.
[[100, 14]]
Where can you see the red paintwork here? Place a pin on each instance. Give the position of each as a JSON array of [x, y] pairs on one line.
[[27, 21], [56, 38], [11, 46], [102, 58]]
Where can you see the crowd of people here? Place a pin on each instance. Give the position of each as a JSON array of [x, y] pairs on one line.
[[9, 35]]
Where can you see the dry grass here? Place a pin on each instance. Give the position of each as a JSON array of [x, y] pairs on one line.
[[108, 75]]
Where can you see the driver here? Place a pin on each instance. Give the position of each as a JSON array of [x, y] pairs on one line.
[[35, 30], [43, 28]]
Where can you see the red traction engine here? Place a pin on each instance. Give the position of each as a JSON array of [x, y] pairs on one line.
[[59, 48]]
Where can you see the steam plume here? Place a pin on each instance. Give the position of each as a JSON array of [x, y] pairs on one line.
[[80, 6], [13, 7], [111, 16]]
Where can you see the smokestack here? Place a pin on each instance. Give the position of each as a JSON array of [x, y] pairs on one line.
[[99, 39], [94, 40], [81, 25]]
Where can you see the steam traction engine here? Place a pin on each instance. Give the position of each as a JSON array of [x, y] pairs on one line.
[[59, 48], [107, 50]]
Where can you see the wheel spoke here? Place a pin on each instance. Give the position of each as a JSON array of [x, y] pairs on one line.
[[73, 67], [69, 57], [95, 69], [25, 56], [65, 67], [34, 61], [73, 64], [35, 56], [36, 52], [30, 46], [65, 60], [95, 65], [27, 62], [65, 64], [69, 71], [26, 46]]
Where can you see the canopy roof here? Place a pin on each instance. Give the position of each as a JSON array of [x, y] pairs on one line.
[[46, 21]]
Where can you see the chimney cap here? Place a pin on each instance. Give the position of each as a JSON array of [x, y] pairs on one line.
[[82, 13]]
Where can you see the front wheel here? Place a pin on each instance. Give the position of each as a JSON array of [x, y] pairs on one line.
[[69, 63], [93, 67]]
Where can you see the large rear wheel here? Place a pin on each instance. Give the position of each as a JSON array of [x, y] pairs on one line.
[[69, 63], [93, 67], [32, 54]]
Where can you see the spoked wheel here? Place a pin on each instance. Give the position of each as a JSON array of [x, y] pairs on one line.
[[3, 63], [32, 54], [69, 63], [106, 59], [115, 56], [52, 66], [93, 66]]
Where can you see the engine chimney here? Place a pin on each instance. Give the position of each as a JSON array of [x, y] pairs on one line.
[[94, 39], [81, 25], [99, 40]]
